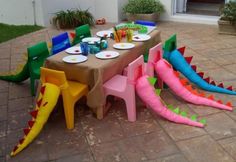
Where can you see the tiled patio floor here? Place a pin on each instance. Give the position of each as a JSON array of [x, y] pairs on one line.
[[150, 138]]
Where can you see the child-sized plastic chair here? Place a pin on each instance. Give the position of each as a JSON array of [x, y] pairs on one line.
[[37, 54], [124, 86], [60, 43], [146, 23], [155, 54], [80, 33], [71, 91]]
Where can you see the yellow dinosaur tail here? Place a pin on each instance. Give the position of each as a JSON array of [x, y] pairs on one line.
[[46, 102]]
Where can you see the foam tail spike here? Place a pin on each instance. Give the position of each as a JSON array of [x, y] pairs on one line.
[[166, 73], [179, 63], [44, 106], [182, 50], [147, 94], [18, 76]]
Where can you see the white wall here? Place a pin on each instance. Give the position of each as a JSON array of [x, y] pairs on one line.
[[107, 9], [50, 7], [121, 4], [16, 11]]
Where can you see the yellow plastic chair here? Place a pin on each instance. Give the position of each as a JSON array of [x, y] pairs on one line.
[[71, 91]]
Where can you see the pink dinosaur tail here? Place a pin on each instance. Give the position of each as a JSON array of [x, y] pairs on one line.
[[180, 87], [147, 93]]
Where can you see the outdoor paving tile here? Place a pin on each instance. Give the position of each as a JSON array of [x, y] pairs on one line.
[[84, 157], [220, 74], [156, 144], [13, 137], [108, 152], [138, 148], [3, 113], [5, 53], [63, 142], [145, 123], [180, 132], [223, 60], [229, 144], [4, 66], [17, 120], [231, 68], [3, 126], [205, 65], [203, 149], [204, 110], [37, 151], [220, 126], [4, 85], [96, 130], [23, 104], [3, 98], [19, 90], [172, 158], [2, 146]]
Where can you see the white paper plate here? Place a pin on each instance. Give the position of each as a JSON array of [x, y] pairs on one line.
[[141, 37], [75, 59], [123, 45], [91, 39], [104, 32], [74, 50], [107, 54]]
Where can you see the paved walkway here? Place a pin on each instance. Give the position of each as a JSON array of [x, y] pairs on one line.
[[150, 138]]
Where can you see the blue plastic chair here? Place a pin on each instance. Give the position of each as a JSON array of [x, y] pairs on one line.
[[60, 43], [144, 22]]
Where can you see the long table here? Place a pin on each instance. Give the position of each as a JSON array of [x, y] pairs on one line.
[[94, 72]]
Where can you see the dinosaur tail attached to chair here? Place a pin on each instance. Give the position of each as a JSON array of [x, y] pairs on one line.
[[182, 64], [185, 91], [21, 74], [151, 97], [46, 102]]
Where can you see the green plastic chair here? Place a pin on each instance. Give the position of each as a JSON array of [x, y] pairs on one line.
[[37, 54], [81, 32]]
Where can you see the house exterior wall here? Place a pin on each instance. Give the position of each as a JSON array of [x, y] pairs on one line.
[[20, 12]]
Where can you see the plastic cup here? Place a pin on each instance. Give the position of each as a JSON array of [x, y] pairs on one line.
[[84, 48]]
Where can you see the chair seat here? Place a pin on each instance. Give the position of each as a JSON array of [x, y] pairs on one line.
[[76, 88], [116, 83]]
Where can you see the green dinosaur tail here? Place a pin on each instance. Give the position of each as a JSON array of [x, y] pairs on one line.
[[19, 76]]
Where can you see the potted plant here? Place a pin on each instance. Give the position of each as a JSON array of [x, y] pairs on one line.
[[227, 21], [143, 10], [72, 18]]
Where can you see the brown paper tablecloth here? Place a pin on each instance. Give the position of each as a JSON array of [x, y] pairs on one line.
[[94, 72]]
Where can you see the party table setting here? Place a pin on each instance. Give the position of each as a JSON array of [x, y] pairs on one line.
[[98, 58]]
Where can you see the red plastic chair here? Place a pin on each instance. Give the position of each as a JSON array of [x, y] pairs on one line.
[[124, 86]]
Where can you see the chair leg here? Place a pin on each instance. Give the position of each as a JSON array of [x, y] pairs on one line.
[[131, 108], [69, 113]]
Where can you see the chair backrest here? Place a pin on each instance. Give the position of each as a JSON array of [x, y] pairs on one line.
[[170, 44], [53, 76], [81, 32], [37, 54], [155, 53], [60, 43], [136, 69]]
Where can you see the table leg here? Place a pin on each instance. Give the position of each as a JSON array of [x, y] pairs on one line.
[[102, 110]]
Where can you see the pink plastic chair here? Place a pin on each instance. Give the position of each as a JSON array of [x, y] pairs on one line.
[[124, 86], [155, 54]]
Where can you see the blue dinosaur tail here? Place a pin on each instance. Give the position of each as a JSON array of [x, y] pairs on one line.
[[179, 63]]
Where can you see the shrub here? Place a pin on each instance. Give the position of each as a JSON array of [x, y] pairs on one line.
[[73, 18], [143, 7], [228, 12]]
